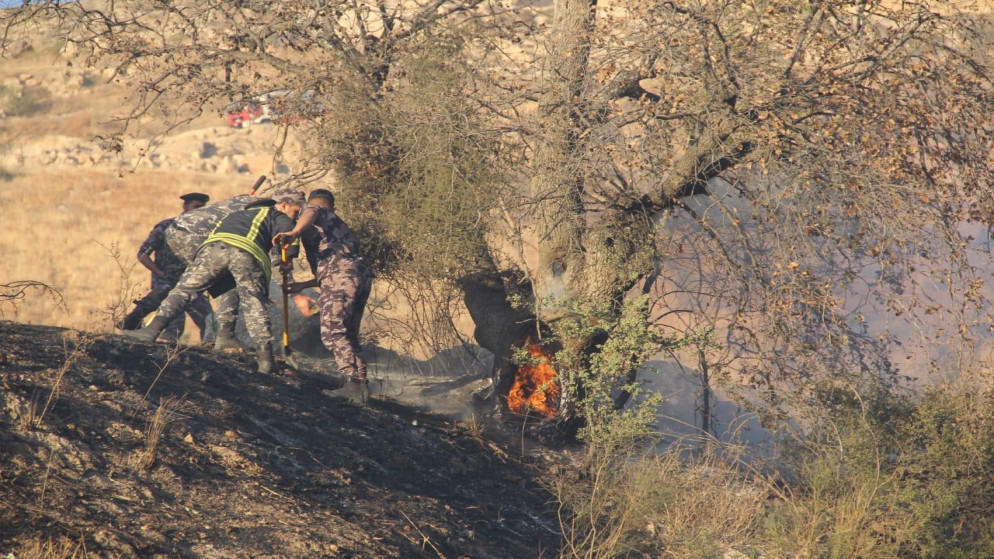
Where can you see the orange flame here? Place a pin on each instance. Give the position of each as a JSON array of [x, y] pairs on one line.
[[535, 387]]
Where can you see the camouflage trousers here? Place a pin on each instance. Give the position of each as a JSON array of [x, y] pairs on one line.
[[199, 309], [184, 245], [212, 261], [344, 292]]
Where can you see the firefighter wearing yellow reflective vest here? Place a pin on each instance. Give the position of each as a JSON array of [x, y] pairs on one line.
[[236, 256]]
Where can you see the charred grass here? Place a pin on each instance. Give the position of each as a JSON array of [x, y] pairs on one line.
[[217, 461]]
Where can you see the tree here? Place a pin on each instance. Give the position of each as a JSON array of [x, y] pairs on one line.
[[810, 145], [768, 168]]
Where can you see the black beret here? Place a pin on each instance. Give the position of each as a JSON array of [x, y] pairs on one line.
[[195, 197]]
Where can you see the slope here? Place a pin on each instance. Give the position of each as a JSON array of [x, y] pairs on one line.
[[127, 449]]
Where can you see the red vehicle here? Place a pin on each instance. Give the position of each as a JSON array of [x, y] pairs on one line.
[[282, 106], [246, 113]]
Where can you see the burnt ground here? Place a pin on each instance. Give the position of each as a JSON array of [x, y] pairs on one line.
[[245, 465]]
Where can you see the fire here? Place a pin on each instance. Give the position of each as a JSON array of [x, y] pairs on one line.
[[535, 387]]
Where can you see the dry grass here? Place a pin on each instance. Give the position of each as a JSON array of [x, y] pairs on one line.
[[59, 222], [75, 346], [166, 413], [893, 478], [171, 353], [49, 548], [677, 503]]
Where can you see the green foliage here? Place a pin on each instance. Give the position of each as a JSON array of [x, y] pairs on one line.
[[418, 166], [876, 475], [947, 472], [436, 214], [600, 350], [892, 477]]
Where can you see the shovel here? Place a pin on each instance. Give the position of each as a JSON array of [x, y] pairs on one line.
[[285, 272]]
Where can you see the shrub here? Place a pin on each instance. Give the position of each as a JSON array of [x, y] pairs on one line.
[[877, 476]]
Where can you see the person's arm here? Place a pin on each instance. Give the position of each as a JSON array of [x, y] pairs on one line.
[[296, 286], [306, 218], [146, 261], [156, 239]]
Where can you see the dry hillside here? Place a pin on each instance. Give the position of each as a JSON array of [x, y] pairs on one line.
[[76, 204], [121, 449], [112, 448]]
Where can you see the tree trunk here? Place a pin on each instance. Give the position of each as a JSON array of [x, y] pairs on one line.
[[555, 183], [499, 328]]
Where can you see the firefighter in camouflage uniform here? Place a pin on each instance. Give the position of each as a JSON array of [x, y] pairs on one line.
[[185, 236], [333, 253], [236, 255], [167, 267]]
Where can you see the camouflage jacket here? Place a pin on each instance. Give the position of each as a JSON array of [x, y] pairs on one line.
[[252, 230], [330, 245], [201, 221]]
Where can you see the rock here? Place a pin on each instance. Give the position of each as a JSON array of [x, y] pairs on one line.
[[113, 542], [20, 48], [227, 166]]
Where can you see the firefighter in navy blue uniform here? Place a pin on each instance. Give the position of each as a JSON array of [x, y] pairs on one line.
[[166, 267], [236, 255]]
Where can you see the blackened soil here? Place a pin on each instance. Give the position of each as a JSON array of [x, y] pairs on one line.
[[242, 465]]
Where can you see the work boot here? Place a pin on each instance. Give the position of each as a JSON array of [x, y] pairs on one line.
[[225, 338], [264, 359], [355, 391], [132, 320], [150, 332]]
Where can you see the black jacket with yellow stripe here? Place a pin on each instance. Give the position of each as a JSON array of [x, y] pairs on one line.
[[252, 230]]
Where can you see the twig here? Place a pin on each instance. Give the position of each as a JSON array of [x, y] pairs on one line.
[[157, 426], [424, 537], [71, 357], [174, 352]]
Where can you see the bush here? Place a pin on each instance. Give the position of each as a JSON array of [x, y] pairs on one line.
[[878, 476]]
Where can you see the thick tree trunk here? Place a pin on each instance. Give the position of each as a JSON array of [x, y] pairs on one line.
[[499, 328], [556, 182], [578, 260]]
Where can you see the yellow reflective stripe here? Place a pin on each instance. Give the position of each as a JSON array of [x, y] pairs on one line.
[[252, 248], [256, 223], [247, 243]]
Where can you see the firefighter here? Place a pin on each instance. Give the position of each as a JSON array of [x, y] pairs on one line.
[[166, 268], [185, 236], [333, 253], [236, 256]]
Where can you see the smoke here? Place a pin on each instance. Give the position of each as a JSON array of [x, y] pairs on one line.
[[456, 382]]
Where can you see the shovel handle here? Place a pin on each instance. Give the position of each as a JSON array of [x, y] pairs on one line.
[[258, 183], [286, 304]]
